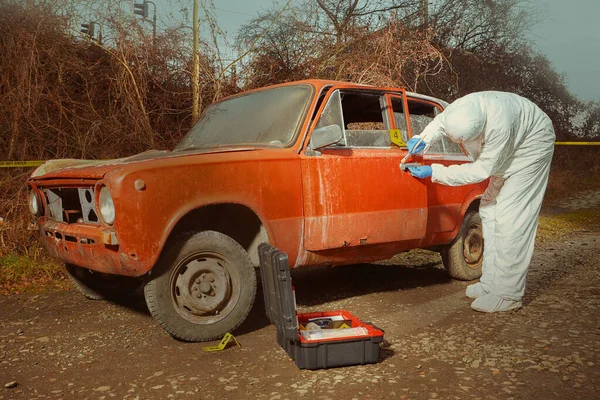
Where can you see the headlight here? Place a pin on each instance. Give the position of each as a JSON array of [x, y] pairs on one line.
[[34, 206], [106, 205]]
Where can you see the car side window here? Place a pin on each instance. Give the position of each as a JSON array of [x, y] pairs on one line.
[[365, 122], [421, 113], [322, 96], [362, 116], [332, 115]]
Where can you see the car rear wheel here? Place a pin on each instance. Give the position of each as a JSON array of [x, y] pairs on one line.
[[203, 286], [463, 257], [98, 286]]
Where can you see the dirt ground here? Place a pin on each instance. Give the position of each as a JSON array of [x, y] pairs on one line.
[[60, 345]]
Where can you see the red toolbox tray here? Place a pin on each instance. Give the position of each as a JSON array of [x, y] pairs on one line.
[[280, 306]]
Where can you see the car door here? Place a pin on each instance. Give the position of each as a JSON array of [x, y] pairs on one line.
[[354, 192], [444, 202]]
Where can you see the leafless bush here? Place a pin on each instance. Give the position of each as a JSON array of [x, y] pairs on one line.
[[65, 96], [391, 56], [15, 237], [299, 46]]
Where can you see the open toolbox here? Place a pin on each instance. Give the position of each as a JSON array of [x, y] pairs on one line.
[[338, 339]]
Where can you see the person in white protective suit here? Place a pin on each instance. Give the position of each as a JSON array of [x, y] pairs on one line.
[[511, 141]]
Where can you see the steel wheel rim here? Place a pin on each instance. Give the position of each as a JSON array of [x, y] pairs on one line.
[[473, 246], [205, 288]]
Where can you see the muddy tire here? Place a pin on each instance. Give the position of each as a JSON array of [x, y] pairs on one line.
[[463, 257], [99, 286], [203, 286]]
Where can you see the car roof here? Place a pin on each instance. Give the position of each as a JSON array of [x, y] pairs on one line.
[[321, 83], [430, 98]]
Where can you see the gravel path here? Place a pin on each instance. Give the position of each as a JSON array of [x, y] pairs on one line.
[[59, 345], [580, 201]]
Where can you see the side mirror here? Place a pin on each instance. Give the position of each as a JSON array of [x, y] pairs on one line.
[[326, 136]]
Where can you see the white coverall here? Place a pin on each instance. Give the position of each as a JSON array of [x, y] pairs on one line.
[[511, 142]]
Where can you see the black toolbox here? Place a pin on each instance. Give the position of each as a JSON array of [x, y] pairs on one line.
[[308, 351]]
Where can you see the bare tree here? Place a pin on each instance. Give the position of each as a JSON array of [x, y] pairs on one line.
[[590, 128], [477, 24], [337, 39]]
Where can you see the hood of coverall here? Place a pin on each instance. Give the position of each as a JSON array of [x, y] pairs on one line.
[[464, 122]]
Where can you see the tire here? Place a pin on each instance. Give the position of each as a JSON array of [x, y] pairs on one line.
[[463, 257], [203, 286], [100, 286]]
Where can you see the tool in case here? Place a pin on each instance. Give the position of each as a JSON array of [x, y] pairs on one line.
[[353, 342]]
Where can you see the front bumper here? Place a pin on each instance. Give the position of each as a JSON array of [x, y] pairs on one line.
[[89, 246]]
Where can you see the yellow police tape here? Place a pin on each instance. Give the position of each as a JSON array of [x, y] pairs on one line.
[[20, 164]]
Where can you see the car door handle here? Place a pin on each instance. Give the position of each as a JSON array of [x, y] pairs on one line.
[[404, 167]]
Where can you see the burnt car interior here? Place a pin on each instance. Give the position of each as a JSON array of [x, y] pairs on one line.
[[366, 124], [363, 119]]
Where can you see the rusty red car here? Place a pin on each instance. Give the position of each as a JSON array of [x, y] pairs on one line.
[[307, 166]]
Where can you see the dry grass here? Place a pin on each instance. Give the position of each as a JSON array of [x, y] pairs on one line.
[[25, 266], [552, 227], [564, 184], [22, 274]]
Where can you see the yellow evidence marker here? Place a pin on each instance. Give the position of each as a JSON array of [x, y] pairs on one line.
[[396, 137], [224, 342]]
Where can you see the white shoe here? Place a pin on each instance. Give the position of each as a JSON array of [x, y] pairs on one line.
[[475, 290], [491, 303]]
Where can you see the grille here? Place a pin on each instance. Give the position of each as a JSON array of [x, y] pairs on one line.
[[72, 205]]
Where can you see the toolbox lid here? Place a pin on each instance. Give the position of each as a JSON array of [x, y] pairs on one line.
[[277, 290]]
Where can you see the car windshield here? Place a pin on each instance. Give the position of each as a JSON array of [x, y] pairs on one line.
[[267, 117]]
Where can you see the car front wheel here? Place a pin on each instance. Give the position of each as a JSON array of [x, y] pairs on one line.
[[203, 286], [463, 257]]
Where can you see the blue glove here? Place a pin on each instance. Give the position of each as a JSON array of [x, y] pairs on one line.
[[412, 142], [422, 172]]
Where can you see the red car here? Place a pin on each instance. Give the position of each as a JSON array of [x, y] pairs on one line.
[[308, 167]]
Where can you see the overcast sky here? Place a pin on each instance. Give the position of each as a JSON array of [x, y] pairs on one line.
[[568, 33]]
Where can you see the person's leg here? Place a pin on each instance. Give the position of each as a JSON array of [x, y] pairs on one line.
[[487, 209], [516, 216]]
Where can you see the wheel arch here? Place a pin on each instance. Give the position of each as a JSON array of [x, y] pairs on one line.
[[471, 203], [235, 220]]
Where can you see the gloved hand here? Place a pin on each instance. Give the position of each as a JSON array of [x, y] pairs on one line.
[[412, 142], [424, 171]]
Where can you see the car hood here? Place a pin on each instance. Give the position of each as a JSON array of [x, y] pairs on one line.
[[96, 169]]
